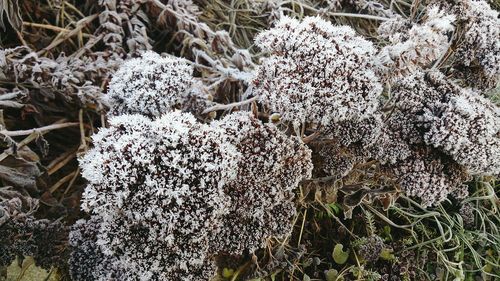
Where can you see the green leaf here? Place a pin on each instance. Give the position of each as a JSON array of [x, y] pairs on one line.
[[339, 256], [227, 272], [332, 275]]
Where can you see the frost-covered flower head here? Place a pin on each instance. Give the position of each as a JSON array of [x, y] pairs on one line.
[[457, 121], [429, 175], [467, 129], [271, 167], [150, 85], [413, 45], [478, 52], [159, 187], [316, 72]]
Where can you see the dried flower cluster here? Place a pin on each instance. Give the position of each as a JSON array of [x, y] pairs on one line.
[[158, 186], [271, 167], [153, 85], [316, 72], [24, 235], [166, 192], [478, 50], [412, 46], [437, 135], [430, 176]]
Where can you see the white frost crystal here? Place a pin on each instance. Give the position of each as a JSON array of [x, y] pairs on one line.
[[317, 72], [159, 187], [151, 85], [270, 169]]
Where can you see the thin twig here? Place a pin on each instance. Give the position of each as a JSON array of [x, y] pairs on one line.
[[35, 130], [229, 106]]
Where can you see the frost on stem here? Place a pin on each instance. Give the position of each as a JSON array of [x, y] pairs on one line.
[[429, 175], [159, 187], [153, 85], [413, 45], [316, 72], [271, 167]]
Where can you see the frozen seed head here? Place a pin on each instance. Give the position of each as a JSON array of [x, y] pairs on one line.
[[414, 97], [24, 235], [316, 72], [467, 129], [150, 85], [271, 167], [362, 132], [159, 187], [429, 175], [413, 45], [423, 92], [396, 138]]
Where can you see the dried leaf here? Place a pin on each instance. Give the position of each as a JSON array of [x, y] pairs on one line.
[[11, 10]]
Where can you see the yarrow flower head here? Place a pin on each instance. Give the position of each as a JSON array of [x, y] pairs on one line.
[[158, 186], [271, 167], [316, 72], [153, 85]]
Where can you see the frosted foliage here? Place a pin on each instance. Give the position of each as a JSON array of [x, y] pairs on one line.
[[271, 167], [468, 129], [413, 45], [429, 176], [316, 72], [159, 187], [151, 85]]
